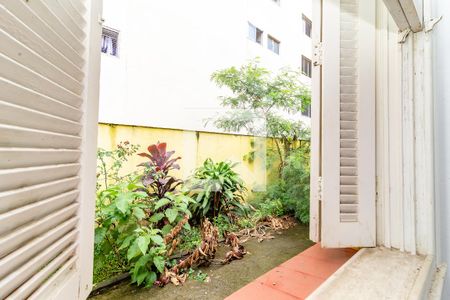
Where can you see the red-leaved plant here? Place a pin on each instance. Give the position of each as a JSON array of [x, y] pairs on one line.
[[156, 178]]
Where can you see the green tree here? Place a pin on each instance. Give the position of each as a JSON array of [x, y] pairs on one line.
[[264, 104]]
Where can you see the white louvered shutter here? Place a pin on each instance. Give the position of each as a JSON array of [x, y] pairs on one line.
[[45, 123], [347, 124]]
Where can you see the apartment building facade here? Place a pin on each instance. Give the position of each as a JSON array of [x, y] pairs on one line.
[[158, 56]]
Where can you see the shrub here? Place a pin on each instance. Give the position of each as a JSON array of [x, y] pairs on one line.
[[217, 189], [271, 208], [224, 224], [291, 190], [130, 225], [190, 239], [296, 174], [110, 162], [156, 178]]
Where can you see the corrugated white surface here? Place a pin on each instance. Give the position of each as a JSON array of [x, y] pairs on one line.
[[348, 124], [349, 111], [42, 56]]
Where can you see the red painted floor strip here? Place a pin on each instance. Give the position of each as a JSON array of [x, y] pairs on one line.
[[296, 278]]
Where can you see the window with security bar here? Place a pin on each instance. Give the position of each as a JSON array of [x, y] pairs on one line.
[[110, 39]]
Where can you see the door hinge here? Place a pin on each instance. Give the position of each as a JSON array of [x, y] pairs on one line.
[[317, 54], [430, 24], [100, 19], [403, 35], [319, 188]]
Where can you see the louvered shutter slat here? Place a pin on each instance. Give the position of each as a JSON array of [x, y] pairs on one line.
[[34, 282], [22, 157], [45, 60], [23, 254], [26, 233], [348, 123], [17, 278], [16, 94], [13, 199], [30, 29], [15, 115], [54, 280]]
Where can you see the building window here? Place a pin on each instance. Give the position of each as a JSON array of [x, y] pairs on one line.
[[306, 66], [307, 25], [255, 34], [109, 41], [307, 112], [273, 45]]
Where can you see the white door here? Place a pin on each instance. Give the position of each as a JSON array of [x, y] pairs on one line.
[[49, 69], [343, 125]]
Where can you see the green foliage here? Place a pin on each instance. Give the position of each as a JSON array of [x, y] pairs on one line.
[[264, 104], [110, 162], [271, 208], [291, 190], [190, 239], [224, 224], [107, 265], [130, 226], [199, 276], [217, 189]]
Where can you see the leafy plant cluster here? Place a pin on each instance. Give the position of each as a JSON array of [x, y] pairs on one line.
[[132, 226], [289, 194], [217, 189], [266, 104], [138, 216], [134, 215], [110, 162]]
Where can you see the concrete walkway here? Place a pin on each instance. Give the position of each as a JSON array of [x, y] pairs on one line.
[[296, 278]]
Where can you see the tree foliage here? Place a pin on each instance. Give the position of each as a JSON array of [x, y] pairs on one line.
[[264, 104]]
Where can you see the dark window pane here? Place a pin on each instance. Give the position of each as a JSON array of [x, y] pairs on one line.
[[109, 41], [306, 66], [273, 45], [255, 34], [307, 25]]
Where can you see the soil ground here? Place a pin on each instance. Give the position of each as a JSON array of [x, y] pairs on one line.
[[224, 279]]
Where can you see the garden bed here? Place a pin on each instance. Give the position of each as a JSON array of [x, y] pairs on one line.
[[223, 279]]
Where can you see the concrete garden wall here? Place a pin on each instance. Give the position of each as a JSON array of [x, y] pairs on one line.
[[194, 147]]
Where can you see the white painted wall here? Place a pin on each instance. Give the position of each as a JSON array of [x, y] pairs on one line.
[[441, 74], [168, 50]]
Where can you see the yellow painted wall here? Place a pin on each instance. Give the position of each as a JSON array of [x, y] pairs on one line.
[[194, 147]]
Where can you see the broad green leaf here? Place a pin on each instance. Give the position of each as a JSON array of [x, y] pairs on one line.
[[105, 248], [100, 233], [187, 226], [166, 229], [159, 263], [161, 203], [126, 242], [140, 195], [142, 261], [171, 214], [150, 280], [142, 243], [157, 239], [141, 277], [123, 202], [156, 217], [138, 213], [133, 251]]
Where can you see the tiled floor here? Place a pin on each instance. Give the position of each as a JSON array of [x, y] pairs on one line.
[[297, 277]]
